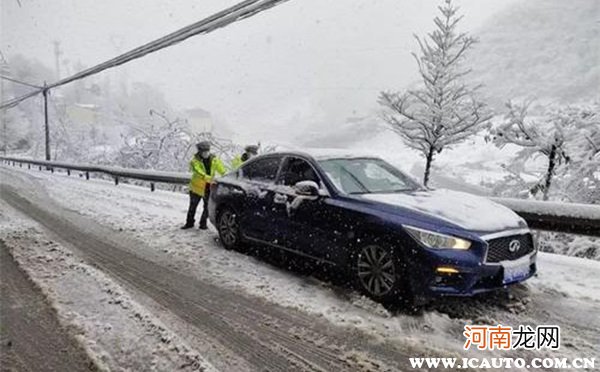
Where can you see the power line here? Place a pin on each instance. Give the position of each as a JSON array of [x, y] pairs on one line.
[[20, 82], [238, 12], [15, 101], [221, 19], [242, 10]]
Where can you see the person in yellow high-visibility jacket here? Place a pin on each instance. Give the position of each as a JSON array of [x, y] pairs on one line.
[[249, 152], [204, 167]]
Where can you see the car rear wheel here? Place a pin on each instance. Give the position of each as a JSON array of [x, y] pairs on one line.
[[229, 229], [380, 273]]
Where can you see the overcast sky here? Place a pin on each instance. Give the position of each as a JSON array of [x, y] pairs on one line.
[[312, 61]]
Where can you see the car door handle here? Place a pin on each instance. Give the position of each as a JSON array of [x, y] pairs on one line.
[[280, 199]]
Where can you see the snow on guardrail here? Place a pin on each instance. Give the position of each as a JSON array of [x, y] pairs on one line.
[[556, 216], [570, 218]]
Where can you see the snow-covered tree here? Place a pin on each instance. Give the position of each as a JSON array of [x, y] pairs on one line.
[[168, 144], [161, 145], [581, 181], [574, 131], [551, 135], [445, 110]]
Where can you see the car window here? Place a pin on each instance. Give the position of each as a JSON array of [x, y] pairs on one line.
[[365, 175], [342, 180], [295, 170], [261, 169], [380, 178]]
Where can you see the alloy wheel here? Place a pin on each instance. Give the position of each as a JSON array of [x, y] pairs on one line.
[[376, 270], [228, 228]]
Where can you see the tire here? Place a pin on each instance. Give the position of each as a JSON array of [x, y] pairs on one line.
[[229, 229], [379, 271]]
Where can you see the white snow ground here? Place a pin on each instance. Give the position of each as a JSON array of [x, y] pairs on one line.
[[570, 276], [154, 218]]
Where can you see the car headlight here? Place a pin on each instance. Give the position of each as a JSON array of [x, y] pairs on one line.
[[432, 239]]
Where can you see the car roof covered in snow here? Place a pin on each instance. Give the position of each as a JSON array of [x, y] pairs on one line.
[[326, 154]]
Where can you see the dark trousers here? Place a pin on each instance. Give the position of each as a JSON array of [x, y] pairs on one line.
[[194, 201]]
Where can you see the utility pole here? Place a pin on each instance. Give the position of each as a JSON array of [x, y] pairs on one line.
[[46, 127]]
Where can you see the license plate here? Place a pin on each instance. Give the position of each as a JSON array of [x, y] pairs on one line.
[[515, 271]]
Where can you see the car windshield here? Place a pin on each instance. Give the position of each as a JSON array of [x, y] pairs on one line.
[[366, 175]]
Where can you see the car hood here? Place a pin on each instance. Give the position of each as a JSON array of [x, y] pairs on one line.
[[464, 210]]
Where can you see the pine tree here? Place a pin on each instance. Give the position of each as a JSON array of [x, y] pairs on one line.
[[445, 110]]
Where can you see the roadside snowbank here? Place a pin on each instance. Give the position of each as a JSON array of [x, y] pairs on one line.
[[571, 276]]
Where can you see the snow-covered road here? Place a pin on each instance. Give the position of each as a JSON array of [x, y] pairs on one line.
[[229, 310]]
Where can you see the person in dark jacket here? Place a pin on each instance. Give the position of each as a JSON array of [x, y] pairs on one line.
[[204, 167]]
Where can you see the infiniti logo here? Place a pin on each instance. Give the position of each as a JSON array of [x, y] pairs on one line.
[[514, 246]]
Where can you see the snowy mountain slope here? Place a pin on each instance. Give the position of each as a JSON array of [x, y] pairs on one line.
[[544, 49]]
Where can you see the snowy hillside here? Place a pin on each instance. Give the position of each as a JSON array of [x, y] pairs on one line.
[[545, 49]]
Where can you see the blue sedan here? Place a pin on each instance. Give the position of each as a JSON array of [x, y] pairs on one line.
[[397, 239]]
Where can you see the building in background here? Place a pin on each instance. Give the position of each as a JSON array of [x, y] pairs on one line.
[[199, 120], [83, 114]]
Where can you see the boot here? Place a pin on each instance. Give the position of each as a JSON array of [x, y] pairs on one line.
[[187, 226], [203, 226]]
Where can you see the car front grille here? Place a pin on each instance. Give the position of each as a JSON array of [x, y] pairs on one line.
[[499, 248]]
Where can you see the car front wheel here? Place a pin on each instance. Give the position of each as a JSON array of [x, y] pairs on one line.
[[379, 272], [229, 229]]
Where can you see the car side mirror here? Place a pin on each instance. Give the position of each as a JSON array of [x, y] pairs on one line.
[[307, 188]]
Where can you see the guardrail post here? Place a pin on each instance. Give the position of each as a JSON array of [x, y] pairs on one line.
[[20, 165], [52, 169], [87, 175], [68, 172], [40, 167], [152, 188], [28, 166], [116, 180]]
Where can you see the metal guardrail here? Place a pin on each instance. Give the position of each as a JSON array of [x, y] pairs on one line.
[[116, 172], [569, 218]]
